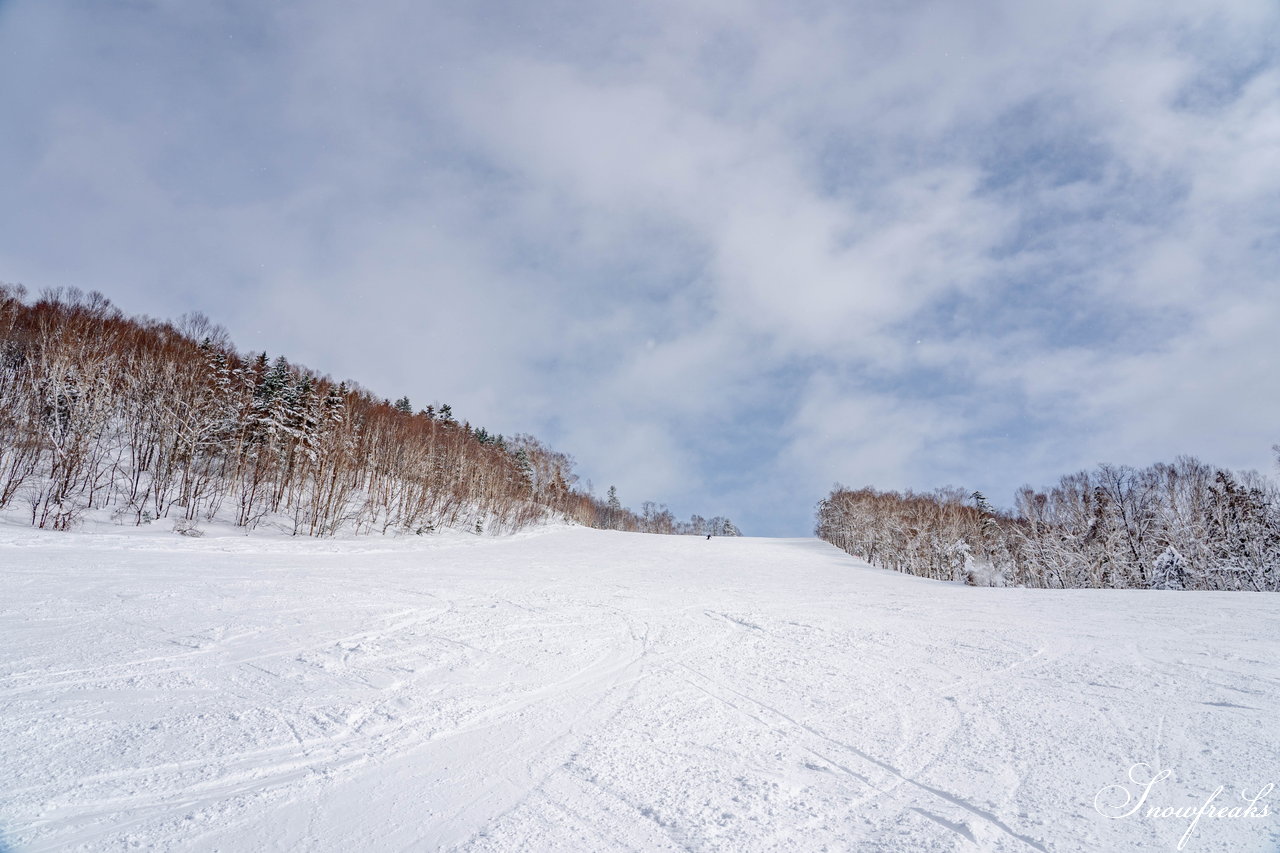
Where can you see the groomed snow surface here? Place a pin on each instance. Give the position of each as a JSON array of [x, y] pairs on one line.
[[581, 690]]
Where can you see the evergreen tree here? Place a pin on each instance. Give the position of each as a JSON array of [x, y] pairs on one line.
[[269, 399], [333, 404], [612, 509], [524, 468]]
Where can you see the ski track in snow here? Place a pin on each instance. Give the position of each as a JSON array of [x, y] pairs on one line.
[[583, 690]]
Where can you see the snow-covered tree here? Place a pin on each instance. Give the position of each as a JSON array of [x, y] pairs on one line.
[[1169, 570]]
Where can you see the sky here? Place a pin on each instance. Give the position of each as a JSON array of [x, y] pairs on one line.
[[724, 254]]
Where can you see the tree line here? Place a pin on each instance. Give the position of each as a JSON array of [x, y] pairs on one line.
[[152, 420], [1185, 525]]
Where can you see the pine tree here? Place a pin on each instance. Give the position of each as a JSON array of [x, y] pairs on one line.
[[524, 468], [333, 404], [270, 399], [612, 510]]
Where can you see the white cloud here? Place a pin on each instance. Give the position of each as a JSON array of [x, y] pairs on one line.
[[722, 252]]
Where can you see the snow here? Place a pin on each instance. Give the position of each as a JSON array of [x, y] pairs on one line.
[[571, 689]]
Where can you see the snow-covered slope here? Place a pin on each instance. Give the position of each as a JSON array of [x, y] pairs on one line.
[[582, 690]]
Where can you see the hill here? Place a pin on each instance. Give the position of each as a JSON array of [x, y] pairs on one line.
[[132, 420]]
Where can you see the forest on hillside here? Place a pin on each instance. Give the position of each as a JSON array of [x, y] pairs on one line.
[[1185, 525], [148, 420]]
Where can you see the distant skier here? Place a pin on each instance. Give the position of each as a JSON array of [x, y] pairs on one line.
[[708, 536]]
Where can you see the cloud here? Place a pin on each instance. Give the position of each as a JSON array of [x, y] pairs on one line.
[[724, 253]]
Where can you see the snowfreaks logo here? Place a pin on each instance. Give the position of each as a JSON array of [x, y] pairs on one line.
[[1119, 801]]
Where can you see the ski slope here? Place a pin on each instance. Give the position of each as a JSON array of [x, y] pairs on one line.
[[581, 690]]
